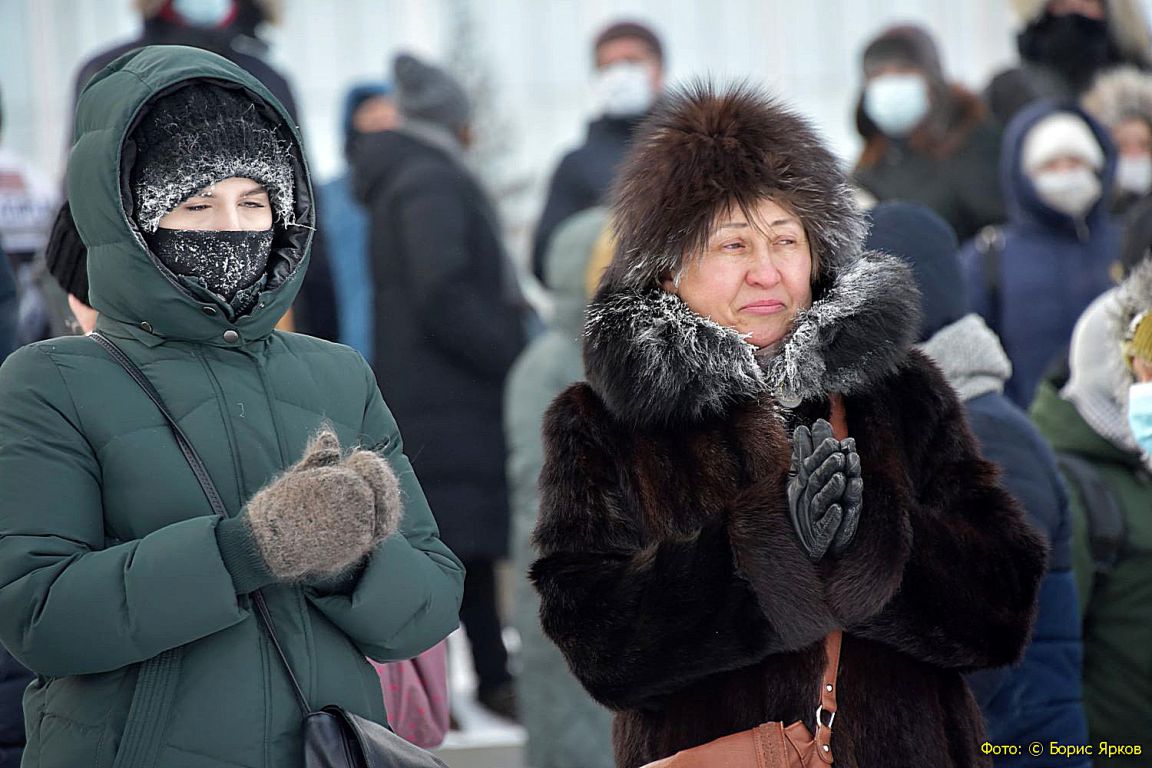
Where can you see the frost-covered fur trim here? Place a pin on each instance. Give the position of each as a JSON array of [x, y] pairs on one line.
[[970, 356], [1134, 297], [655, 362], [856, 334]]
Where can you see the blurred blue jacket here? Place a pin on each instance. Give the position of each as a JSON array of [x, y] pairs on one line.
[[344, 225], [1051, 265]]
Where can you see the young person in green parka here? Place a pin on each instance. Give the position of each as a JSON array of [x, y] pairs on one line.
[[189, 188]]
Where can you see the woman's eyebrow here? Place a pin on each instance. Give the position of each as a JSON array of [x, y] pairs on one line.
[[256, 190]]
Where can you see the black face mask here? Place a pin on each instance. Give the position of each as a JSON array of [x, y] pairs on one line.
[[226, 262], [1073, 45]]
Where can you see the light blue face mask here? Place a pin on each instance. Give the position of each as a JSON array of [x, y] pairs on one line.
[[203, 13], [897, 102], [1140, 414]]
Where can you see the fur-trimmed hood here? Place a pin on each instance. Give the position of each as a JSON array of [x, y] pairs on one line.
[[656, 363], [653, 360]]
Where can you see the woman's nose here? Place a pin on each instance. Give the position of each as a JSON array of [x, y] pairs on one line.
[[763, 271]]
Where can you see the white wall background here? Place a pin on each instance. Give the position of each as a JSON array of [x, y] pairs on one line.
[[536, 53]]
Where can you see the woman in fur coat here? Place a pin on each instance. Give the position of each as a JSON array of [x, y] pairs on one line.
[[687, 574]]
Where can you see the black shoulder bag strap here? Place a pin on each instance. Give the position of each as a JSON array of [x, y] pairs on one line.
[[209, 489], [990, 245], [1107, 529]]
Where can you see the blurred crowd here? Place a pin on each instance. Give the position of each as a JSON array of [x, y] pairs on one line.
[[1025, 211]]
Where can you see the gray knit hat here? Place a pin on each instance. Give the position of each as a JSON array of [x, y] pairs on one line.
[[202, 134], [425, 92]]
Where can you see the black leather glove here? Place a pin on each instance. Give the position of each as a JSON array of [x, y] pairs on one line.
[[853, 499], [825, 491]]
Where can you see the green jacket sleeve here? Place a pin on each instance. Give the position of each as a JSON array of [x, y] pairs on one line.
[[69, 604], [407, 598], [1083, 564]]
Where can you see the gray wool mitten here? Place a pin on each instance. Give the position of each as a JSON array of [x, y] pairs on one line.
[[316, 521], [377, 472], [317, 518]]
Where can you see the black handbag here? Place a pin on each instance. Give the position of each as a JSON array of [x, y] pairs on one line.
[[333, 736]]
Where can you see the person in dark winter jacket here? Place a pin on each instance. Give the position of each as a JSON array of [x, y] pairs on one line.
[[210, 25], [1137, 242], [565, 727], [1039, 700], [1031, 279], [693, 560], [368, 108], [925, 140], [120, 587], [449, 325], [1098, 422], [1063, 46], [629, 61]]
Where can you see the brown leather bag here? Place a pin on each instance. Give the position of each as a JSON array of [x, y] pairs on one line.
[[775, 745]]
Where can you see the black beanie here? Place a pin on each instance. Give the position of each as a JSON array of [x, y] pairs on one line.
[[66, 257], [919, 236], [202, 134]]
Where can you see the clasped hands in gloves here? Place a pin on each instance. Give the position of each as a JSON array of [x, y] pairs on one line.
[[825, 490], [326, 512]]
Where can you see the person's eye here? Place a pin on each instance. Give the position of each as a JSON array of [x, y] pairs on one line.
[[197, 207], [733, 246], [254, 204]]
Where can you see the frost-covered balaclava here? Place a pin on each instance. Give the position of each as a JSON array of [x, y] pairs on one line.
[[189, 140]]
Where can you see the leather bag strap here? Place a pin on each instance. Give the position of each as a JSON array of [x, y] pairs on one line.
[[209, 488], [826, 712]]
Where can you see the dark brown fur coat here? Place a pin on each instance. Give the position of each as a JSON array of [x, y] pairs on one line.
[[672, 580]]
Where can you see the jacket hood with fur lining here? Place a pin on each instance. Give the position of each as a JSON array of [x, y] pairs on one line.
[[655, 362]]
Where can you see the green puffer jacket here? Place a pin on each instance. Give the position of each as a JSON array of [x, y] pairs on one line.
[[566, 727], [113, 586], [1117, 608]]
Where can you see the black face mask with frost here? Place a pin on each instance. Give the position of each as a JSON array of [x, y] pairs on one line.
[[226, 262]]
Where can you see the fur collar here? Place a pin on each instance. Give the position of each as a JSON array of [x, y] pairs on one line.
[[656, 363]]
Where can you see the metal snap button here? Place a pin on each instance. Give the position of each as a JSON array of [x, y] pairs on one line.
[[146, 326], [231, 336], [208, 310]]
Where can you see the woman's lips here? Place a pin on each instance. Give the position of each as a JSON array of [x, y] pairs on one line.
[[770, 307]]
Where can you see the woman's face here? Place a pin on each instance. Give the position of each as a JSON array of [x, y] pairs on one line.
[[233, 205], [754, 276]]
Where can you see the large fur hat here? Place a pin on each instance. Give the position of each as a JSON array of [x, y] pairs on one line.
[[653, 360], [1127, 25], [1118, 94], [705, 148]]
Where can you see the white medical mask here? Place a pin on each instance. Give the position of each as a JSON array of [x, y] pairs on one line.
[[1140, 415], [1134, 174], [203, 13], [1071, 192], [896, 103], [624, 89]]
